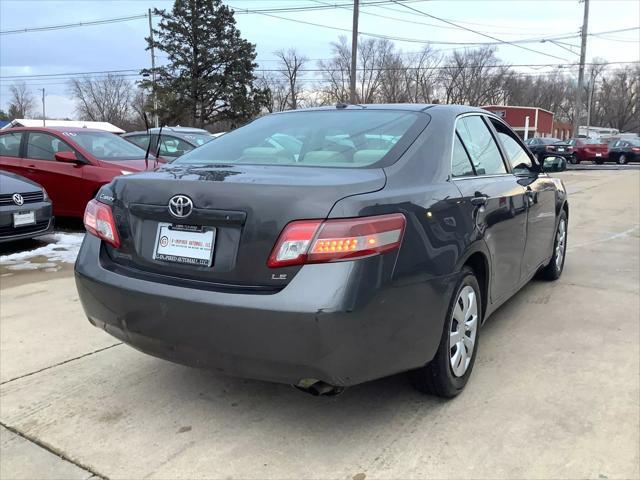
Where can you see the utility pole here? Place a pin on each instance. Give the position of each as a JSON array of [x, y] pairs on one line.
[[592, 86], [153, 73], [354, 54], [583, 50], [43, 111]]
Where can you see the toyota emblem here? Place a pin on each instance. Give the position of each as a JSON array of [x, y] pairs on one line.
[[17, 199], [180, 206]]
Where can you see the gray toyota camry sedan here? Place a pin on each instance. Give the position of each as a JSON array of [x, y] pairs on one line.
[[376, 240]]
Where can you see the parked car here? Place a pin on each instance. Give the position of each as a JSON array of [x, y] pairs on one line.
[[25, 208], [71, 163], [334, 268], [543, 147], [174, 141], [585, 149], [624, 151]]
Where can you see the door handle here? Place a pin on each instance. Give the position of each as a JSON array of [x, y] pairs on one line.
[[479, 200]]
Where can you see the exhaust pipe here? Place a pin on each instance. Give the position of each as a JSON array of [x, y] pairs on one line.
[[318, 388]]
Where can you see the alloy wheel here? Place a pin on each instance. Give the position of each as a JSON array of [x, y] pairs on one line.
[[561, 240], [463, 330]]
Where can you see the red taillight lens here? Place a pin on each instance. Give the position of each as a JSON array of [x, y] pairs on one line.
[[99, 221], [316, 241], [635, 149], [569, 149], [550, 148]]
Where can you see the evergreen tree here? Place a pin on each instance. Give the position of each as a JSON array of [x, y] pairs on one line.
[[210, 72]]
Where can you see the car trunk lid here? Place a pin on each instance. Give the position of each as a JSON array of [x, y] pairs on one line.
[[247, 206]]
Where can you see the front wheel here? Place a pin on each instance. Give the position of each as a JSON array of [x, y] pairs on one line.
[[554, 269], [447, 374], [622, 160]]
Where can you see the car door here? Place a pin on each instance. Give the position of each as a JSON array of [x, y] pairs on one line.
[[496, 201], [10, 152], [540, 199], [62, 180]]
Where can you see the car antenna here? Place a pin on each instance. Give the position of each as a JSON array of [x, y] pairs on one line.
[[146, 155], [155, 161]]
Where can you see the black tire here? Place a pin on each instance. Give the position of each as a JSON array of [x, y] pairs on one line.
[[574, 160], [599, 162], [553, 270], [622, 159], [437, 377]]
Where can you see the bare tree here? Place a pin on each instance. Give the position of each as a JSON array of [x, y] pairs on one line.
[[21, 102], [291, 62], [474, 77], [619, 100], [277, 91], [105, 99], [424, 75]]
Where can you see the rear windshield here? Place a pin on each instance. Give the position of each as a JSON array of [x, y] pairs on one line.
[[106, 146], [593, 141], [198, 138], [549, 140], [327, 138]]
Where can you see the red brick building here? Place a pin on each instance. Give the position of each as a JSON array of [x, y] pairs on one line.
[[540, 122]]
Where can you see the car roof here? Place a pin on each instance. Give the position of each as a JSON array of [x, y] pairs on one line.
[[54, 129]]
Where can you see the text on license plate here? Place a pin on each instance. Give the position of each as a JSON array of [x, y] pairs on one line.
[[598, 154], [561, 149], [24, 218], [185, 244]]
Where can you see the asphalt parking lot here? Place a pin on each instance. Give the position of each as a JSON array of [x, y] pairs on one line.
[[555, 392]]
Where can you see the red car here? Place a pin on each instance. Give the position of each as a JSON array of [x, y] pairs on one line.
[[70, 163], [588, 149]]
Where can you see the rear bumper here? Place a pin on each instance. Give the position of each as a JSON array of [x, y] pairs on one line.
[[43, 218], [335, 322]]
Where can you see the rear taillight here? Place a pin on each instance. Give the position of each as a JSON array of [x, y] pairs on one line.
[[550, 148], [317, 241], [635, 149], [569, 149], [99, 221]]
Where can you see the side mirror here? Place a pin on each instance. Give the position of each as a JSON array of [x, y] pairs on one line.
[[554, 164], [68, 157]]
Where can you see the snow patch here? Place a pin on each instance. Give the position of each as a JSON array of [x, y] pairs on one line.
[[59, 248]]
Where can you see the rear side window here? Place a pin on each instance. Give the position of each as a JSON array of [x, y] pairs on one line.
[[481, 146], [324, 138], [173, 146], [460, 162], [10, 144]]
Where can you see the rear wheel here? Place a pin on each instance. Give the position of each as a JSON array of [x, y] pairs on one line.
[[599, 161], [574, 160], [448, 372], [554, 269], [622, 159]]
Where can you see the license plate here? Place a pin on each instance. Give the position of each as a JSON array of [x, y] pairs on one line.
[[598, 154], [24, 218], [561, 149], [185, 244]]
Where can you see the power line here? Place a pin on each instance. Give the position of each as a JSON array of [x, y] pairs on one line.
[[128, 73], [476, 31]]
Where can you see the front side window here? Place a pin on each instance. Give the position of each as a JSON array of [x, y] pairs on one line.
[[44, 146], [482, 148], [140, 140], [516, 155], [324, 138], [10, 144]]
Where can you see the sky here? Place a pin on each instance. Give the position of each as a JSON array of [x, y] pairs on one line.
[[121, 46]]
